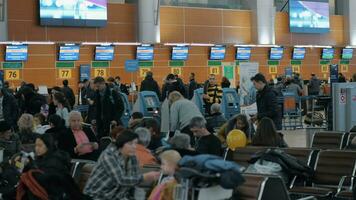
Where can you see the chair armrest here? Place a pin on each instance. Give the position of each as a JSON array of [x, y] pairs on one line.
[[342, 180], [308, 198]]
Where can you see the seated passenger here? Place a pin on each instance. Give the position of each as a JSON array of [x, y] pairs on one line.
[[206, 142], [169, 165], [144, 155], [9, 141], [135, 120], [57, 126], [39, 123], [216, 118], [26, 134], [117, 171], [154, 127], [78, 141], [239, 122], [181, 143], [266, 135]]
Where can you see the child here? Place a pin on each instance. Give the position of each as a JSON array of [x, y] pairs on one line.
[[169, 164]]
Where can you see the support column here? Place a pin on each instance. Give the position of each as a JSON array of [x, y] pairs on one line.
[[148, 21], [3, 21], [264, 14], [348, 10]]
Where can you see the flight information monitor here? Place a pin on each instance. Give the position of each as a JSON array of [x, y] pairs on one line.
[[86, 13], [144, 53], [243, 53], [16, 53], [298, 53], [347, 54], [217, 53], [309, 16], [104, 53], [68, 53], [327, 54], [180, 53], [276, 53]]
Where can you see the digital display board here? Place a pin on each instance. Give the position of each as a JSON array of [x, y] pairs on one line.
[[347, 54], [276, 53], [243, 53], [298, 53], [104, 53], [144, 53], [327, 54], [217, 53], [180, 53], [16, 53], [68, 53]]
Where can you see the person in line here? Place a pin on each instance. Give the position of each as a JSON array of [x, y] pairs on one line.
[[267, 135], [68, 93], [341, 78], [90, 95], [239, 122], [193, 85], [212, 93], [279, 87], [293, 87], [109, 107], [216, 118], [144, 155], [9, 111], [62, 106], [80, 142], [172, 84], [121, 87], [169, 166], [314, 85], [52, 109], [182, 111], [149, 84], [206, 142], [225, 83], [117, 171], [266, 99]]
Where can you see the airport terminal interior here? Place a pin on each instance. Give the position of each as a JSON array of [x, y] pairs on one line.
[[177, 99]]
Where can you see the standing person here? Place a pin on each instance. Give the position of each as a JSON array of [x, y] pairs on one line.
[[212, 93], [341, 78], [193, 85], [181, 112], [62, 107], [293, 87], [81, 93], [149, 84], [206, 143], [314, 85], [8, 108], [121, 87], [172, 84], [68, 93], [225, 83], [267, 105], [90, 96], [109, 107]]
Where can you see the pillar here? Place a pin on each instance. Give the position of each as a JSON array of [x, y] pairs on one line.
[[148, 21]]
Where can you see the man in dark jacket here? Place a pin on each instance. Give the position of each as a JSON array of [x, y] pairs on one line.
[[109, 107], [172, 84], [121, 87], [266, 99], [149, 84], [192, 85], [8, 108], [68, 93]]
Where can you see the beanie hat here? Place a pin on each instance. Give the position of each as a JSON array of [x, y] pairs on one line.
[[124, 137]]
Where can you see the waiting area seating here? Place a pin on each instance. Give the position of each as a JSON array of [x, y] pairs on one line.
[[330, 140]]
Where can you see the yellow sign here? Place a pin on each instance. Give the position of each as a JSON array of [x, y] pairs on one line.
[[102, 72], [325, 68], [143, 71], [65, 73], [296, 68], [273, 69], [176, 71], [238, 70], [215, 70], [344, 68], [12, 74], [325, 76]]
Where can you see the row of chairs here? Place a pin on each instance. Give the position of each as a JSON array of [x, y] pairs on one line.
[[332, 140], [334, 170]]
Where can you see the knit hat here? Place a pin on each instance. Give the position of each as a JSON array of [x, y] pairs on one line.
[[124, 137], [4, 126]]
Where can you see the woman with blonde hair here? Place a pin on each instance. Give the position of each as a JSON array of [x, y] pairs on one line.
[[26, 126], [78, 141]]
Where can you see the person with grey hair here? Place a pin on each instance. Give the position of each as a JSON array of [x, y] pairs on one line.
[[206, 142], [144, 155], [181, 112], [216, 118], [181, 143]]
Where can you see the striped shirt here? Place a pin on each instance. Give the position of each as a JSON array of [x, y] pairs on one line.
[[215, 93], [113, 177]]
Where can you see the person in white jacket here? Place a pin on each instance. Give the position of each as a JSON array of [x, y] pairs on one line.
[[181, 112]]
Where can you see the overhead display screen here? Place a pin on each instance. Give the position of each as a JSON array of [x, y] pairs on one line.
[[144, 53], [347, 54], [105, 53], [217, 53], [327, 54], [309, 16], [298, 53], [180, 53], [243, 53], [91, 13], [68, 53], [276, 53], [16, 53]]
